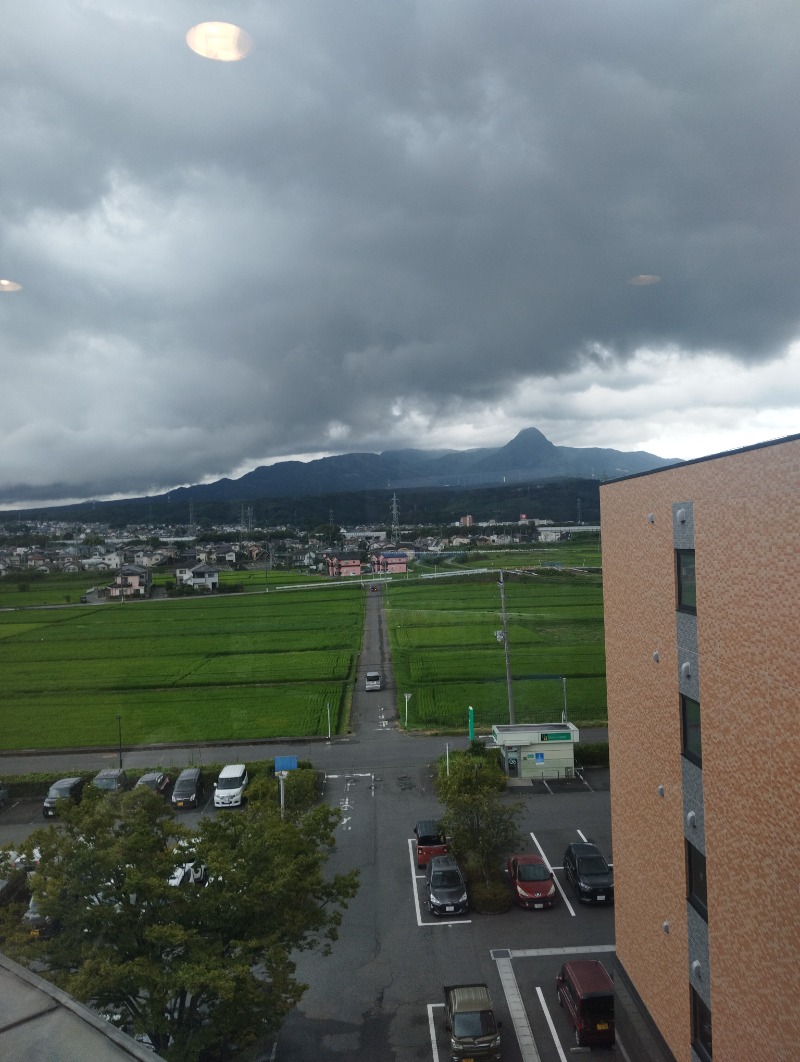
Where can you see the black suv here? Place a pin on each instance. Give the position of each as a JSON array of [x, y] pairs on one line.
[[445, 888], [591, 876], [63, 789]]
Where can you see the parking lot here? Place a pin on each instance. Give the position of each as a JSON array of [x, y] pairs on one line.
[[527, 975], [379, 994]]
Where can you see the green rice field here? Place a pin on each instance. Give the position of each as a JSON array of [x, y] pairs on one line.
[[267, 663], [446, 654], [180, 670]]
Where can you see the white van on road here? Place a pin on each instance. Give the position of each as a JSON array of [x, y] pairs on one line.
[[373, 681]]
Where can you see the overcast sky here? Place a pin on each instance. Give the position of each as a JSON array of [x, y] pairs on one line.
[[414, 223]]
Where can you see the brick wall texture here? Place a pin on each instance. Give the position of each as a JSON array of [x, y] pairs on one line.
[[746, 509]]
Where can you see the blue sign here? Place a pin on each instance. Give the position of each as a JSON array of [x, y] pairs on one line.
[[539, 757], [285, 763]]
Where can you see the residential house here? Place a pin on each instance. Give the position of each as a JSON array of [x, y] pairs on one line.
[[132, 580], [200, 576], [393, 562], [343, 564]]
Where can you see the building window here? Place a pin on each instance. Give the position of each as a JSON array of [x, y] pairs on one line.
[[701, 1027], [687, 586], [690, 727], [697, 892]]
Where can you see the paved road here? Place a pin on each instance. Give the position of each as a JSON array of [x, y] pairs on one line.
[[379, 994]]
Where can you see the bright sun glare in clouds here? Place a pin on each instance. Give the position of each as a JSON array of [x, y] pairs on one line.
[[219, 40]]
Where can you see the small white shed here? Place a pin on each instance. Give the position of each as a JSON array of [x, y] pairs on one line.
[[531, 751]]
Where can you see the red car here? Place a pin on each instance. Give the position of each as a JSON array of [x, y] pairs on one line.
[[533, 884]]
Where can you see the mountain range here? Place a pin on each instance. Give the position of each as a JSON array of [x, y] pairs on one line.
[[529, 458]]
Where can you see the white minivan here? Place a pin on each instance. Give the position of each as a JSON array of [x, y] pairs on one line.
[[229, 787], [373, 680]]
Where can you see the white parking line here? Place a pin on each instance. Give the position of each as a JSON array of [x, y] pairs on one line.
[[580, 835], [412, 855], [353, 774], [585, 949], [555, 879], [550, 1025], [516, 1008], [432, 1030]]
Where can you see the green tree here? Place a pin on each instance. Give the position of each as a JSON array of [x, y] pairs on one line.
[[481, 825], [199, 968]]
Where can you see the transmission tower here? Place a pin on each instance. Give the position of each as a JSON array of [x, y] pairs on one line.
[[395, 521]]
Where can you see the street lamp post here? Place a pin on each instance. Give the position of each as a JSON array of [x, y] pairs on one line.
[[328, 706], [119, 730], [408, 698], [511, 717]]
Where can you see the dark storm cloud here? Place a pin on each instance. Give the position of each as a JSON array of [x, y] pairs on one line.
[[388, 219]]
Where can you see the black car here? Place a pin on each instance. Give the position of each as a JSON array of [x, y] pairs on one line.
[[155, 780], [445, 888], [587, 870], [111, 779], [63, 789], [188, 789]]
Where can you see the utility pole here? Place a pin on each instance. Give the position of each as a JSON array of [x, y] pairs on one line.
[[511, 717]]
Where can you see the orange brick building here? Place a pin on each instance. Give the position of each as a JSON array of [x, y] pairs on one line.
[[701, 572]]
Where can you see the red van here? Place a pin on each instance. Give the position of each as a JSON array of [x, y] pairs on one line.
[[430, 841], [585, 988]]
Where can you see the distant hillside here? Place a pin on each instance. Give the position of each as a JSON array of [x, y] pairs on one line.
[[528, 458], [433, 507], [432, 486]]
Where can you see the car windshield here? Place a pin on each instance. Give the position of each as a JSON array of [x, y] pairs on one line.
[[445, 879], [107, 782], [184, 785], [231, 782], [59, 789], [591, 865], [475, 1023], [533, 872], [429, 839]]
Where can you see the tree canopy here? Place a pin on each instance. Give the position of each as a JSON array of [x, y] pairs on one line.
[[202, 966], [481, 826]]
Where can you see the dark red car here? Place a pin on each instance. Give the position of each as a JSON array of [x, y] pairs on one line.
[[533, 884]]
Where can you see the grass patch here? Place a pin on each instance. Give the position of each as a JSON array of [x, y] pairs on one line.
[[446, 654], [183, 670]]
